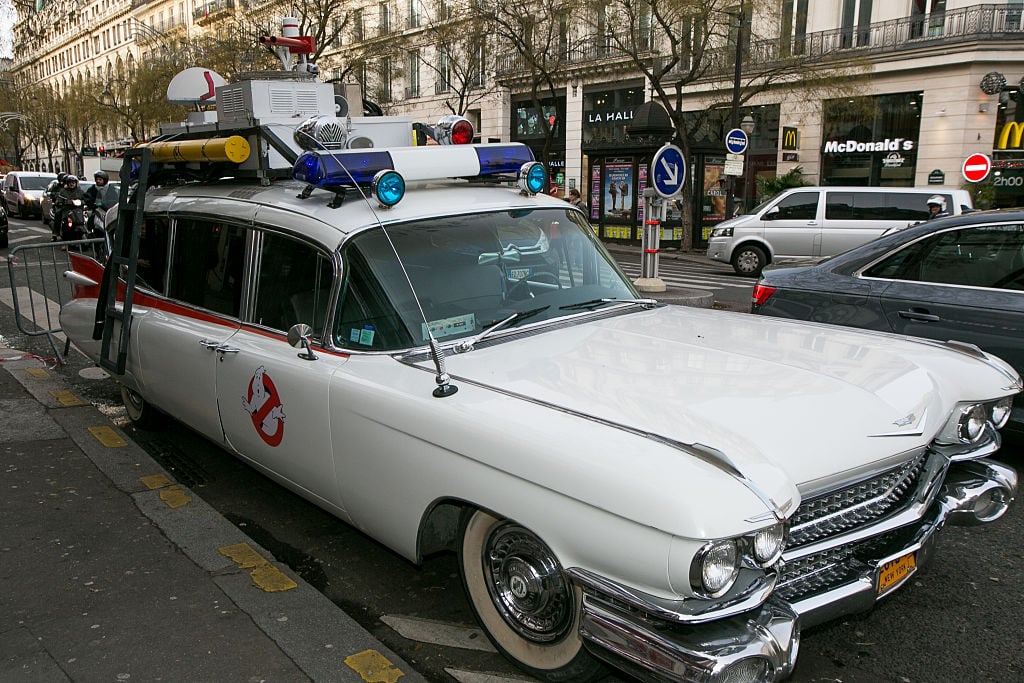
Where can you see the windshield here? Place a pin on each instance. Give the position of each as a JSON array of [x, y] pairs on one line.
[[469, 273], [35, 182], [760, 207]]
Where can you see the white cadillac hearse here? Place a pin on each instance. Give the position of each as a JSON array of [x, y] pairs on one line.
[[672, 491]]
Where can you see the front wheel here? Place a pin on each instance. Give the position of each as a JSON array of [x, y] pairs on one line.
[[527, 606], [749, 260]]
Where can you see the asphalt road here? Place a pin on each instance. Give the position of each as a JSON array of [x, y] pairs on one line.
[[956, 620]]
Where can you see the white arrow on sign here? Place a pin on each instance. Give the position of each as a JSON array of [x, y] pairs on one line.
[[672, 171]]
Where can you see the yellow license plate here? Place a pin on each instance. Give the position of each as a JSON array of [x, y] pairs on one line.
[[892, 573]]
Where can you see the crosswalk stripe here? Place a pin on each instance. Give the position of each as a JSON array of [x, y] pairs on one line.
[[479, 677], [438, 633]]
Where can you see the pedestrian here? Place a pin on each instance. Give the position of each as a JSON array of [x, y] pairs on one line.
[[937, 207], [613, 190], [624, 193], [576, 200]]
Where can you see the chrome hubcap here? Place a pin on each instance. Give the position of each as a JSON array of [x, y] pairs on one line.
[[526, 584], [747, 261]]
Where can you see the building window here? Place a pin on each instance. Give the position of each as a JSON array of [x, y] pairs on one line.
[[384, 74], [385, 18], [357, 25], [443, 82], [414, 14], [413, 70]]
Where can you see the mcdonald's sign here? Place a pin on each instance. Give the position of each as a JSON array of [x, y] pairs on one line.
[[1010, 136], [790, 138]]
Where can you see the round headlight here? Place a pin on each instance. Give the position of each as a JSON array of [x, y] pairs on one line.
[[1001, 410], [715, 568], [971, 424], [746, 670], [768, 544]]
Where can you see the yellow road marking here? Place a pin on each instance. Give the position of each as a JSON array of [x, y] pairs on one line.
[[175, 497], [66, 398], [38, 373], [271, 579], [156, 481], [373, 667], [108, 437], [264, 575]]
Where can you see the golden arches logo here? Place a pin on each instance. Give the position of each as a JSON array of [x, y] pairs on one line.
[[1014, 129], [790, 138]]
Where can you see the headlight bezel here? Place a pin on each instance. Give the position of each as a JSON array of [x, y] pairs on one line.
[[710, 551], [747, 551], [968, 421]]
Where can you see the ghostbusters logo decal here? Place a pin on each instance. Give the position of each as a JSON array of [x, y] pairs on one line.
[[264, 407]]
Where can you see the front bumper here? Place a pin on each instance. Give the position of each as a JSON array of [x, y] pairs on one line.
[[767, 639], [717, 249]]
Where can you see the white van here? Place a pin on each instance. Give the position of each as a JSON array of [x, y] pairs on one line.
[[807, 222]]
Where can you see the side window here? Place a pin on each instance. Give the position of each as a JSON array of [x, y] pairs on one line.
[[153, 243], [207, 264], [367, 318], [986, 256], [798, 206], [908, 206], [294, 284], [839, 205]]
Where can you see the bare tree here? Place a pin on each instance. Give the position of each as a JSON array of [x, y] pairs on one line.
[[534, 47], [682, 46], [453, 46]]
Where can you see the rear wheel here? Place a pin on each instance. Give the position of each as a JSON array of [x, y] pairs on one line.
[[528, 607], [141, 414], [749, 260]]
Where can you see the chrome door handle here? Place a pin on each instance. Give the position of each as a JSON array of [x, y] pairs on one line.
[[224, 348], [207, 344], [919, 315]]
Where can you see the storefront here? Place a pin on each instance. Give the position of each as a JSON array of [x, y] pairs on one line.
[[1007, 179], [616, 162], [528, 128], [871, 141]]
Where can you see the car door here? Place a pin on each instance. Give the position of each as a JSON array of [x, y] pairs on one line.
[[965, 284], [792, 226], [183, 338], [273, 399]]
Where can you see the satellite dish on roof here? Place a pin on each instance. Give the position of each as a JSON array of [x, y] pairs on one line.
[[194, 86]]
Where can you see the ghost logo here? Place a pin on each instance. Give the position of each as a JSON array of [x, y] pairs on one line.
[[264, 407]]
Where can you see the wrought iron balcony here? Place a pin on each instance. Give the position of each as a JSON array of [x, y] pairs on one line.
[[976, 23]]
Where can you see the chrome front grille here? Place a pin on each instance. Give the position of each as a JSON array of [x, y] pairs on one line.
[[829, 568], [855, 505]]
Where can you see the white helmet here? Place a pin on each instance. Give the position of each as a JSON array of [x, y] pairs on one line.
[[938, 200]]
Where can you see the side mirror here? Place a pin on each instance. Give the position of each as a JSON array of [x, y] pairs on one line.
[[771, 214], [298, 337]]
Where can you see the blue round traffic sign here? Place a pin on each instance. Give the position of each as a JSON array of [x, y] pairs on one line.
[[668, 171], [736, 141]]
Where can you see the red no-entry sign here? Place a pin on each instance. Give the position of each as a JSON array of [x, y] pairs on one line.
[[976, 168]]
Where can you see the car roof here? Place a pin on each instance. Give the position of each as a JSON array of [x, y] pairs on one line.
[[313, 218]]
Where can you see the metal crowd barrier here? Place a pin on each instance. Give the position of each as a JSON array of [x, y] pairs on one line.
[[39, 288]]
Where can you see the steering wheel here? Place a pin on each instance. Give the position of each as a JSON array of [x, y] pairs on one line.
[[521, 289]]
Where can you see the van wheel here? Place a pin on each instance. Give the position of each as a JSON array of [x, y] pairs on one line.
[[142, 415], [527, 606], [749, 260]]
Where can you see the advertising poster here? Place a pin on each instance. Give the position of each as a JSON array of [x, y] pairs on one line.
[[641, 185], [595, 193], [713, 202], [618, 190]]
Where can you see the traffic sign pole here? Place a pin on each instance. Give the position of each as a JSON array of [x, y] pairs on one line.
[[667, 174]]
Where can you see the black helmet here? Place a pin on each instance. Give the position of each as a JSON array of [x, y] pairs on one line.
[[101, 174], [61, 177], [70, 178]]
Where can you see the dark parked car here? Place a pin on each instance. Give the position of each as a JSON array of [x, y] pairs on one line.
[[959, 278]]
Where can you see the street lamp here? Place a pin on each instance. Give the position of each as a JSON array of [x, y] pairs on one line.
[[747, 126], [740, 16]]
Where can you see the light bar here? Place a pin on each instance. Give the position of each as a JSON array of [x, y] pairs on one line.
[[359, 166]]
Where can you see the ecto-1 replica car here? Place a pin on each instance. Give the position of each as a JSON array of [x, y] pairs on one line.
[[672, 491]]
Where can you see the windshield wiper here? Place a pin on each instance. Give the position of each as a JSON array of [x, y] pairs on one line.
[[594, 303], [465, 345]]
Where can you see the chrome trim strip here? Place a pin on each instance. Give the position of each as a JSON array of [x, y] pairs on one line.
[[688, 610]]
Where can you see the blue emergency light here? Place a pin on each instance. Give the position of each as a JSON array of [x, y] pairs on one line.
[[327, 169]]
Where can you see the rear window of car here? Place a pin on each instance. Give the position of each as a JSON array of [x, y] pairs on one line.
[[878, 206], [34, 182]]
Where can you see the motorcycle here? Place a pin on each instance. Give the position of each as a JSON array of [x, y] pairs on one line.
[[72, 226]]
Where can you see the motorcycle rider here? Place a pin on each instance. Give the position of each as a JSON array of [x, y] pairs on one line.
[[937, 207], [63, 204], [53, 189], [102, 194]]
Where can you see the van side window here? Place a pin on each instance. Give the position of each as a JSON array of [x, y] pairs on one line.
[[294, 284], [798, 206], [207, 264], [152, 264]]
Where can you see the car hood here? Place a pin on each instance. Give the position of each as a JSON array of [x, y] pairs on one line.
[[782, 401]]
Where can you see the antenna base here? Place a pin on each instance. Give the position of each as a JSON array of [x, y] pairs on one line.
[[445, 391]]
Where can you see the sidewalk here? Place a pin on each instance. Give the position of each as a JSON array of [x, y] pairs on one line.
[[682, 296], [114, 572]]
